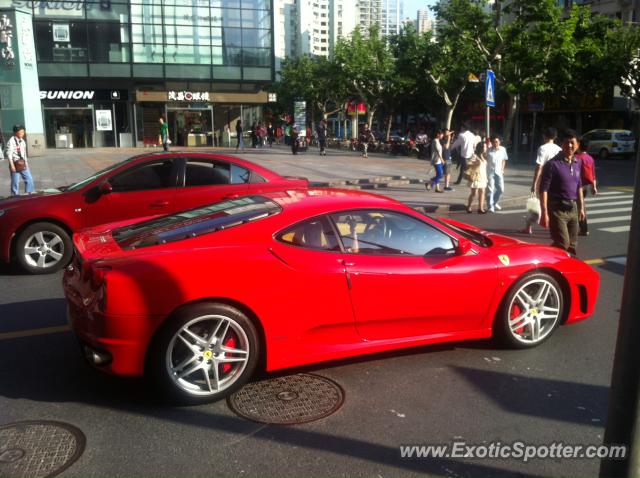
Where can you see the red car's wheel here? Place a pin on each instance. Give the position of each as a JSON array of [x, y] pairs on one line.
[[43, 248], [531, 311], [204, 353]]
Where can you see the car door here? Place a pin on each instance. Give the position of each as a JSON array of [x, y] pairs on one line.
[[407, 279], [205, 181], [144, 189], [318, 306]]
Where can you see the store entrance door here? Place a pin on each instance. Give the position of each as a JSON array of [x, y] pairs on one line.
[[190, 127], [69, 127]]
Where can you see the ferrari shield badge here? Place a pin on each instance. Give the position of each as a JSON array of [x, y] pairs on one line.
[[504, 259]]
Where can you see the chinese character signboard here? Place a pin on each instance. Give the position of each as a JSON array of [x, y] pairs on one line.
[[188, 96]]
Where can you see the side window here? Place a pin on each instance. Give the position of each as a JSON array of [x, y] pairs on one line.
[[312, 234], [239, 175], [390, 233], [601, 136], [157, 175], [203, 172]]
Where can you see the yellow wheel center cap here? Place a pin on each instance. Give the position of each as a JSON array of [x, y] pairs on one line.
[[534, 311], [208, 354]]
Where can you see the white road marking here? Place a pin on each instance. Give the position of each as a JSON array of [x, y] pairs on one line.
[[601, 220], [615, 203], [608, 198], [616, 229], [607, 211]]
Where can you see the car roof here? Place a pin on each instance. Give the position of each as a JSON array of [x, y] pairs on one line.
[[266, 173], [608, 131], [315, 201]]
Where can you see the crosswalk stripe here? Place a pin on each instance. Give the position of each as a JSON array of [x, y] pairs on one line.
[[609, 193], [615, 203], [616, 229], [608, 219], [609, 198], [590, 211], [608, 211]]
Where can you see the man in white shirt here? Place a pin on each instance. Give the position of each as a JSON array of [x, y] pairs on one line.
[[545, 152], [496, 161], [17, 159], [466, 141]]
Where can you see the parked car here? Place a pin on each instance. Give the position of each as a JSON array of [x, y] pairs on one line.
[[610, 142], [36, 229], [201, 300]]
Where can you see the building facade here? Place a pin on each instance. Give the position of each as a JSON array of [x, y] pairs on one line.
[[423, 22], [109, 69]]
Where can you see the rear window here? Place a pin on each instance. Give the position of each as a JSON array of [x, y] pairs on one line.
[[625, 137], [195, 222]]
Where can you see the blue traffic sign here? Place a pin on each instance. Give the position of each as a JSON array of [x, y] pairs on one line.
[[490, 88]]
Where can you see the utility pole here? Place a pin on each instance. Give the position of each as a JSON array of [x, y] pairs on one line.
[[623, 418]]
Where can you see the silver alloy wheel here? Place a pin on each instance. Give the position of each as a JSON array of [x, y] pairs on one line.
[[534, 311], [43, 249], [207, 355]]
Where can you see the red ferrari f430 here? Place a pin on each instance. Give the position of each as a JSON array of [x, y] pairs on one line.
[[198, 300]]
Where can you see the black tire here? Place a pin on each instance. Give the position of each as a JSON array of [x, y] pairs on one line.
[[510, 304], [166, 353], [55, 258], [603, 153]]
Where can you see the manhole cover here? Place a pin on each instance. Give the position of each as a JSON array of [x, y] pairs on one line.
[[36, 449], [288, 400]]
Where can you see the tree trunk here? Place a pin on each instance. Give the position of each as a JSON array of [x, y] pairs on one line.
[[389, 120], [512, 108], [449, 109]]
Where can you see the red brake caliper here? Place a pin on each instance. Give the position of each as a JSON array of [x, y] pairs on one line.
[[231, 343], [515, 312]]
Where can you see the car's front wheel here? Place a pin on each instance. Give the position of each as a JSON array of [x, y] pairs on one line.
[[531, 311], [203, 353], [42, 248]]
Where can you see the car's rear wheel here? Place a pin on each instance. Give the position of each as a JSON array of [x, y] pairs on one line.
[[203, 353], [42, 248], [604, 153], [531, 311]]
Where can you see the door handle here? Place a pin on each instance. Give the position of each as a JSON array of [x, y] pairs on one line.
[[159, 204], [345, 263]]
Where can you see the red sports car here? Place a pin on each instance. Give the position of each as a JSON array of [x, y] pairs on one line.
[[198, 300], [36, 229]]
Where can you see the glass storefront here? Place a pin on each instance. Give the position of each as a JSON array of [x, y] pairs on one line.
[[69, 127]]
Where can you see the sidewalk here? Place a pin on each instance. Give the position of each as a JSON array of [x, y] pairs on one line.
[[398, 177]]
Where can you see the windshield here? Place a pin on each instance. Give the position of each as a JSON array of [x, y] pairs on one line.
[[84, 182], [195, 222]]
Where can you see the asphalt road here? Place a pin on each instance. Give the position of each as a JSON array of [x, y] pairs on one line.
[[474, 391]]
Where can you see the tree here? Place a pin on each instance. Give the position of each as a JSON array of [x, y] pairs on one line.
[[367, 66], [446, 60]]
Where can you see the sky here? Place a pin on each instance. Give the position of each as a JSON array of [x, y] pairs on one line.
[[411, 7]]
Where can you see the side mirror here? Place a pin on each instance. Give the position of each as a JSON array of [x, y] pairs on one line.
[[464, 246], [106, 188]]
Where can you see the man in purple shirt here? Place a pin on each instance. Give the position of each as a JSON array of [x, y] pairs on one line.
[[562, 202]]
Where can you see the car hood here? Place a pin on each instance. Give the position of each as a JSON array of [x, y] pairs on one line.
[[9, 201], [497, 240]]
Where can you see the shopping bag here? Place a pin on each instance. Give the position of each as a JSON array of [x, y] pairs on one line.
[[533, 210]]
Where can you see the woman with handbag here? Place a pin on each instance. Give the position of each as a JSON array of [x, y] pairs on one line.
[[476, 174], [18, 165]]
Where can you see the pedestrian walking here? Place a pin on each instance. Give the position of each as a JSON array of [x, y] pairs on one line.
[[496, 162], [321, 133], [164, 134], [365, 138], [271, 135], [561, 200], [447, 157], [545, 152], [239, 132], [477, 175], [18, 163], [466, 142], [437, 161], [294, 139], [287, 135], [588, 178]]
